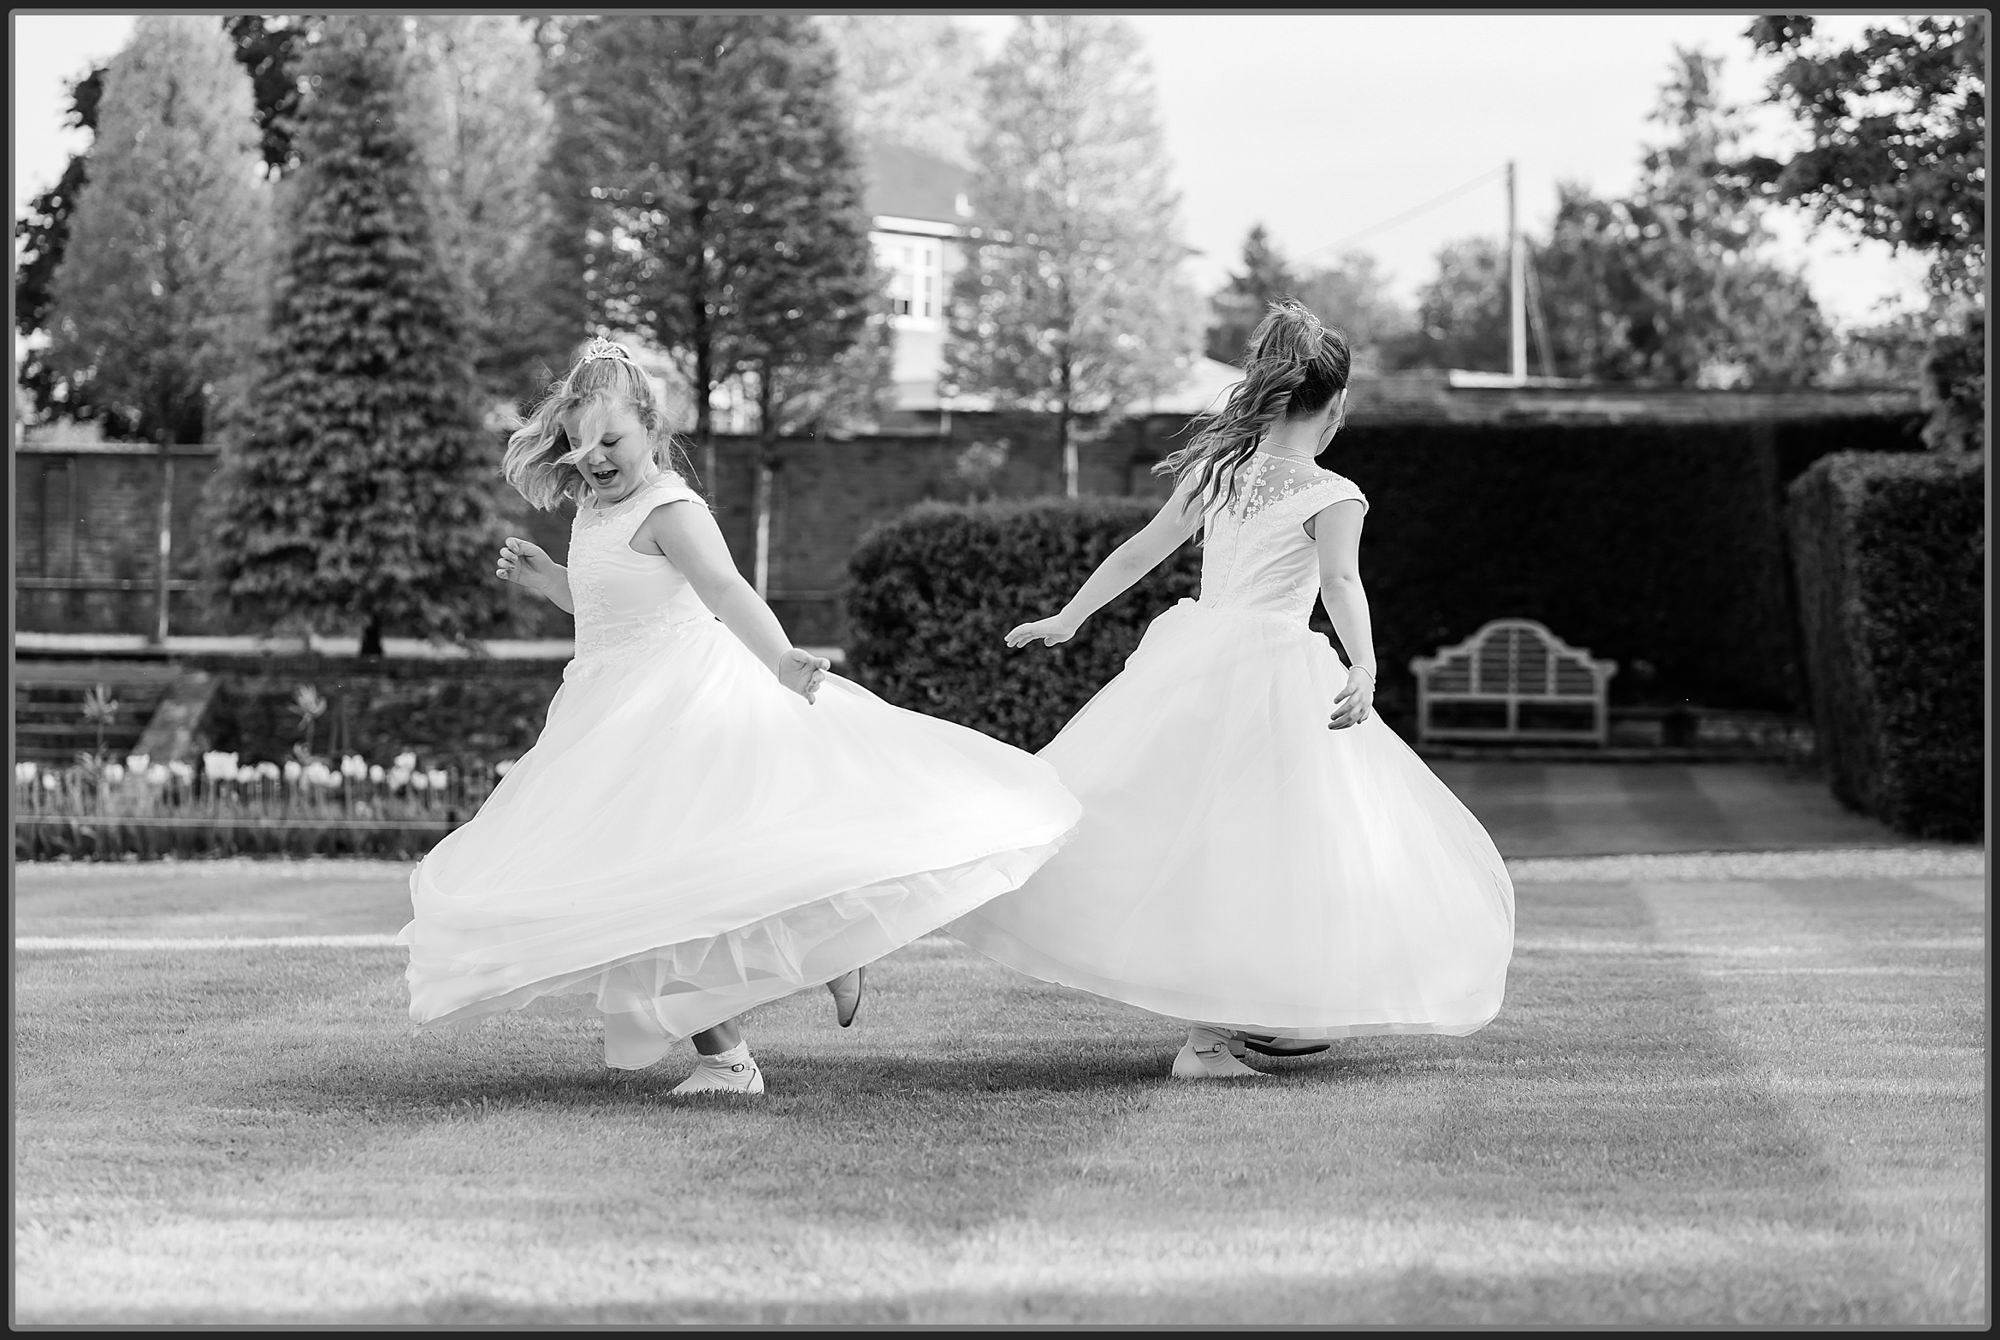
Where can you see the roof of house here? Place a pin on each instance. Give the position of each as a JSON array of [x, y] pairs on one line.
[[911, 184]]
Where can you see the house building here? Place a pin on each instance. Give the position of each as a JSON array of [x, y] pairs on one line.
[[923, 215], [920, 213]]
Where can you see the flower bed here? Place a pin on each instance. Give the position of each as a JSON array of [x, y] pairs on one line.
[[100, 808]]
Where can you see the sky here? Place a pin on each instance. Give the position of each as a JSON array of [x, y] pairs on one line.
[[1332, 130]]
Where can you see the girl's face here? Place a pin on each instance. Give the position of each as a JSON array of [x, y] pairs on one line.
[[617, 451]]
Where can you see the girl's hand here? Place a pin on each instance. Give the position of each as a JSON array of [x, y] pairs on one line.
[[802, 672], [526, 564], [1354, 701], [1047, 631]]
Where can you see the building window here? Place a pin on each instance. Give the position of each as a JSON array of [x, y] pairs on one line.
[[916, 277]]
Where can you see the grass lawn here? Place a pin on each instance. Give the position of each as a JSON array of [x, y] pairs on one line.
[[1709, 1100]]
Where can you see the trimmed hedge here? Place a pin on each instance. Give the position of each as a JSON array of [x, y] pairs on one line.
[[461, 714], [932, 594], [111, 838], [1890, 556], [1660, 546]]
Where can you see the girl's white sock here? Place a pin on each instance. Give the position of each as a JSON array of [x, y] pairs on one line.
[[733, 1056]]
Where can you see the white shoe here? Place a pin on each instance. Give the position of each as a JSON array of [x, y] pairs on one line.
[[1207, 1055], [743, 1077], [846, 990]]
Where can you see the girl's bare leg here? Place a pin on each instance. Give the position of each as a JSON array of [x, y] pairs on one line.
[[715, 1041]]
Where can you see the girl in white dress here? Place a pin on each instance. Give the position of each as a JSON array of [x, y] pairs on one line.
[[1259, 854], [709, 820]]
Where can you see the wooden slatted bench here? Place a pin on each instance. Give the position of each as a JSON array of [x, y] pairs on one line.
[[1513, 681]]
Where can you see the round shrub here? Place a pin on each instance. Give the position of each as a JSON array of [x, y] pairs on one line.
[[932, 593]]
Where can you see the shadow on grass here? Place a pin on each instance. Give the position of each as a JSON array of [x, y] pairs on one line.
[[1801, 1288], [865, 1078]]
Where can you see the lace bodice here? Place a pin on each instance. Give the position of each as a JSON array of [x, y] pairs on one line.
[[1256, 553], [626, 601]]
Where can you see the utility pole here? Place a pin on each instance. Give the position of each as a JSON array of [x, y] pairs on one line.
[[1517, 298], [164, 559]]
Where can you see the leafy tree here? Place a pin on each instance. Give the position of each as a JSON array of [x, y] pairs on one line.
[[1888, 351], [1462, 319], [1898, 129], [1072, 299], [808, 281], [156, 302], [906, 76], [1897, 152], [706, 197], [362, 495], [485, 122], [41, 236], [1353, 295], [267, 46], [1670, 284], [1235, 310]]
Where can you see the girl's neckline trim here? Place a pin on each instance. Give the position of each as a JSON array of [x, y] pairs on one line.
[[652, 483]]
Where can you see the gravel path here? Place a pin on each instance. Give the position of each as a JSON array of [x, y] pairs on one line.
[[1827, 863]]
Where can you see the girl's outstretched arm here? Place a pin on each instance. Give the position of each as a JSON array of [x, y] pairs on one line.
[[1121, 568], [1336, 532], [686, 533], [527, 564]]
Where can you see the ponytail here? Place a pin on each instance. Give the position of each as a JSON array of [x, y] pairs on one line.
[[1295, 367]]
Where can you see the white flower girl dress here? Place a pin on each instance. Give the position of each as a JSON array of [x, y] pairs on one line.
[[688, 838], [1239, 864]]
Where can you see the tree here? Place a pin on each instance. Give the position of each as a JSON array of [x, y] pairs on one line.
[[1671, 284], [362, 494], [808, 281], [1353, 295], [1072, 299], [906, 76], [1898, 129], [41, 236], [1701, 250], [485, 122], [1897, 152], [157, 300], [707, 198], [1240, 304], [267, 47], [1461, 319]]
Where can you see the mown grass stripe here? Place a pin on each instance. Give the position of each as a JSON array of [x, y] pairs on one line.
[[1877, 1075], [166, 944], [216, 1138]]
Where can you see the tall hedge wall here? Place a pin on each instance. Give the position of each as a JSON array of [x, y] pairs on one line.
[[1659, 546], [1890, 552], [932, 594]]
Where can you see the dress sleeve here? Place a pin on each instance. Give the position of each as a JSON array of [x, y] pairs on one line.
[[673, 488], [1309, 502]]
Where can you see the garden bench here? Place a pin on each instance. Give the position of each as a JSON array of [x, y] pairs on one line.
[[1513, 680]]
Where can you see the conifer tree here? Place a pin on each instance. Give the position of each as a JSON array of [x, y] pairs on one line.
[[361, 493]]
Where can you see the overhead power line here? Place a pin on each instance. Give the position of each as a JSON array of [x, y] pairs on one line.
[[1411, 212]]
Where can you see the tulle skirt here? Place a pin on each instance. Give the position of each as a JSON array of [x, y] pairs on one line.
[[688, 839], [1240, 864]]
